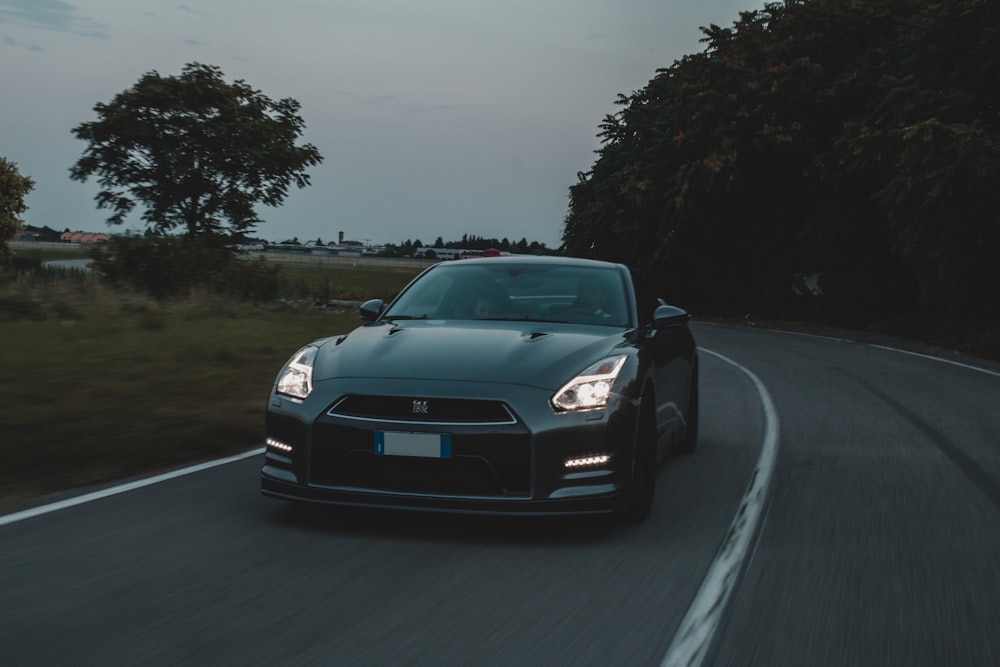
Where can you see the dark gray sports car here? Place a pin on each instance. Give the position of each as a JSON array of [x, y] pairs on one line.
[[502, 385]]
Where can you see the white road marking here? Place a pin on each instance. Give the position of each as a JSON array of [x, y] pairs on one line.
[[811, 335], [122, 488], [886, 347], [735, 327], [941, 359], [694, 635]]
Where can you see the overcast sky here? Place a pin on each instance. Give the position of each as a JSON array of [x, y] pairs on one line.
[[434, 117]]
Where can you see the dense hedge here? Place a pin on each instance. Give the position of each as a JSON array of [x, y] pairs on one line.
[[857, 141]]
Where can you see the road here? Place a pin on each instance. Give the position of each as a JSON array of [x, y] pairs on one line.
[[882, 539], [880, 546]]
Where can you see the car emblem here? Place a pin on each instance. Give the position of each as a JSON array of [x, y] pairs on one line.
[[420, 407]]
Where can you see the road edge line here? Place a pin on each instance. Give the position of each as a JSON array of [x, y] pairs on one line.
[[693, 638], [123, 488], [936, 358]]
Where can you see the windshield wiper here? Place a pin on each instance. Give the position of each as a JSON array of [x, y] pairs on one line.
[[525, 318], [405, 317]]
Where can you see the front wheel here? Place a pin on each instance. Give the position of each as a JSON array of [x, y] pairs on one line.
[[638, 501]]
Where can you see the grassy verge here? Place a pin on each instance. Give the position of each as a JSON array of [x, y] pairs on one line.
[[98, 385]]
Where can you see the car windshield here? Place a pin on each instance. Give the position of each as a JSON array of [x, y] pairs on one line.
[[507, 291]]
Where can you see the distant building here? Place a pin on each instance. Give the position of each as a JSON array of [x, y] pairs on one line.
[[455, 253], [83, 238]]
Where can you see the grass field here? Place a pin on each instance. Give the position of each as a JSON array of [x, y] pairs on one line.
[[326, 278], [99, 384]]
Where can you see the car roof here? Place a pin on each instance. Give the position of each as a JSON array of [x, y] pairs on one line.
[[553, 260]]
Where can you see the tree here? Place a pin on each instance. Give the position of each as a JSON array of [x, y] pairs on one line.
[[857, 140], [196, 152], [13, 189]]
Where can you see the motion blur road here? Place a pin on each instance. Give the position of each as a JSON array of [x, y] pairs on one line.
[[880, 546]]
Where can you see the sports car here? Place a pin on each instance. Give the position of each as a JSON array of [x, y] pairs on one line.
[[500, 385]]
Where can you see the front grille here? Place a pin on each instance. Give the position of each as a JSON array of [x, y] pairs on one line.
[[415, 409], [488, 464]]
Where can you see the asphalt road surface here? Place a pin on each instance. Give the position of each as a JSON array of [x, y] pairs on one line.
[[880, 545]]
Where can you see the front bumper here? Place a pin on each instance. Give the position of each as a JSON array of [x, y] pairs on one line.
[[506, 469], [596, 504]]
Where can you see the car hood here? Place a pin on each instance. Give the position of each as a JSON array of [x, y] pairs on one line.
[[544, 355]]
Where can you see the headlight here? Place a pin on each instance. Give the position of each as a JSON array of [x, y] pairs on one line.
[[296, 379], [590, 389]]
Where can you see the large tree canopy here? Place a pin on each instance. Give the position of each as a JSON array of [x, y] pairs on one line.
[[13, 189], [858, 140], [196, 152]]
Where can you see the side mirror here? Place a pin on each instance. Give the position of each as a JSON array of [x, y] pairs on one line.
[[666, 317], [371, 309]]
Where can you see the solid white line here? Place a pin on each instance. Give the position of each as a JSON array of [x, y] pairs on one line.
[[811, 335], [694, 635], [941, 359], [122, 488]]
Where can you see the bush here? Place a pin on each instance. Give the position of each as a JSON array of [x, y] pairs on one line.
[[166, 267]]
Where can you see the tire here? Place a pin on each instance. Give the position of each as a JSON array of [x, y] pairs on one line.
[[690, 440], [638, 500]]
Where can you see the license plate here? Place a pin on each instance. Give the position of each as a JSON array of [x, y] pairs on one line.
[[427, 445]]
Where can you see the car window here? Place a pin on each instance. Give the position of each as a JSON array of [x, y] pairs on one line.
[[424, 297], [559, 293]]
